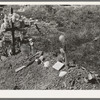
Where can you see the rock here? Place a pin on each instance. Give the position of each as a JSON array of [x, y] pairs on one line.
[[62, 73], [58, 65], [62, 38], [41, 58], [3, 58], [96, 75], [36, 60], [46, 64], [90, 76]]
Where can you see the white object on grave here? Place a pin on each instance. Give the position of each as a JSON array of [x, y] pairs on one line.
[[96, 75], [58, 65], [31, 43], [90, 76], [46, 64], [62, 73], [62, 38], [3, 58], [36, 60], [41, 58]]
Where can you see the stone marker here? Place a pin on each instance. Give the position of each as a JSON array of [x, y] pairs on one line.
[[62, 38], [96, 75], [36, 60], [58, 65], [62, 73]]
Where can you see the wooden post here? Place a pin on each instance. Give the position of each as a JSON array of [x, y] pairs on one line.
[[13, 35], [66, 60], [62, 39]]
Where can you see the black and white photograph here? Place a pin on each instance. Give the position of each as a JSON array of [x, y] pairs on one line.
[[49, 47]]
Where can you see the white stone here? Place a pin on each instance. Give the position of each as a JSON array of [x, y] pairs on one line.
[[46, 64], [96, 75], [90, 76], [3, 58], [62, 73], [58, 65], [36, 60], [41, 58], [62, 38]]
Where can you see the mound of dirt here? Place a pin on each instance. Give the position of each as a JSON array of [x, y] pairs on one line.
[[38, 77]]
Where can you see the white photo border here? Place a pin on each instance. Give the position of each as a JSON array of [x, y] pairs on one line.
[[50, 93]]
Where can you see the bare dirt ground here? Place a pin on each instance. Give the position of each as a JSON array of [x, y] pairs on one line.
[[38, 77], [80, 30]]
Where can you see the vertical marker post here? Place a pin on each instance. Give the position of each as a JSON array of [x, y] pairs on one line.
[[13, 35], [62, 40]]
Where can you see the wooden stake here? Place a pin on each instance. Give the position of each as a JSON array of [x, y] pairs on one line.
[[66, 60], [13, 35]]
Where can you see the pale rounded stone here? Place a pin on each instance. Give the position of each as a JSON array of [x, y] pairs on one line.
[[62, 73], [62, 38], [90, 76], [3, 58], [46, 64], [41, 58]]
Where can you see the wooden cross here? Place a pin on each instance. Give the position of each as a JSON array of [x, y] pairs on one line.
[[13, 35], [13, 29]]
